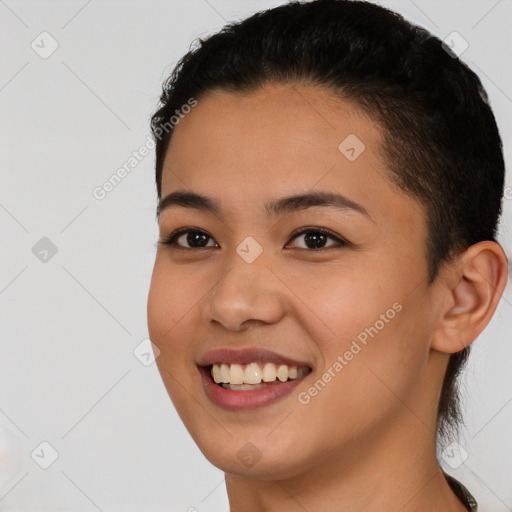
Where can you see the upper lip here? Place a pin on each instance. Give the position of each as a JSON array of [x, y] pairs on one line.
[[246, 356]]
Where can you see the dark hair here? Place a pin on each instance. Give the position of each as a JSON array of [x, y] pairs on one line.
[[442, 145]]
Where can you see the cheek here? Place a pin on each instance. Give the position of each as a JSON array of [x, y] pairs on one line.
[[171, 300], [370, 342], [363, 386], [348, 303], [172, 296], [167, 307]]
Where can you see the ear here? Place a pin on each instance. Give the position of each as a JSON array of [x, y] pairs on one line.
[[472, 286]]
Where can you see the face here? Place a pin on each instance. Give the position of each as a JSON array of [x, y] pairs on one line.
[[333, 282]]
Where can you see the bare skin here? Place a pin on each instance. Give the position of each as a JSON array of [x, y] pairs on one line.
[[366, 441]]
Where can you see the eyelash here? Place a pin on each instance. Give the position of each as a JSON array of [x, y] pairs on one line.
[[170, 241]]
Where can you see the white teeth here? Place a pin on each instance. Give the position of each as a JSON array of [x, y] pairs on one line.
[[282, 373], [224, 373], [244, 387], [254, 375], [216, 373], [269, 372], [236, 374]]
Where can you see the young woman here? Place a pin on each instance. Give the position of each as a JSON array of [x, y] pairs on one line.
[[329, 180]]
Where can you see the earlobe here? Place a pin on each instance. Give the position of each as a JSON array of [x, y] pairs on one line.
[[473, 290]]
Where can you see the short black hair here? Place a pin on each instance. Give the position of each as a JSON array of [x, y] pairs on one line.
[[442, 144]]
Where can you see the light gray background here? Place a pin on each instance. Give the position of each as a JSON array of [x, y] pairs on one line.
[[68, 375]]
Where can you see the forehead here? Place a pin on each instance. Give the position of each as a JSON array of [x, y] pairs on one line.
[[280, 139], [276, 116], [275, 127]]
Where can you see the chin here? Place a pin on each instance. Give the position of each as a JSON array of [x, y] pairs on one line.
[[252, 459]]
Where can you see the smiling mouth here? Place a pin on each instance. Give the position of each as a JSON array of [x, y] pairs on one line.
[[252, 376]]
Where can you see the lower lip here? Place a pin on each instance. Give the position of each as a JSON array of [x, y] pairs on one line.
[[251, 399]]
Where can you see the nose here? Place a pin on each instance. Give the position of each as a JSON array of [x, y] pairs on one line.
[[246, 293]]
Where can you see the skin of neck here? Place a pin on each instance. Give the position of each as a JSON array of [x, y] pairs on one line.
[[393, 469]]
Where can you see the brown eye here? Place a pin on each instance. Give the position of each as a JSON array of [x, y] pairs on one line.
[[187, 238], [316, 238]]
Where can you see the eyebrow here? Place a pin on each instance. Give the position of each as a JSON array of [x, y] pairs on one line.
[[274, 208]]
